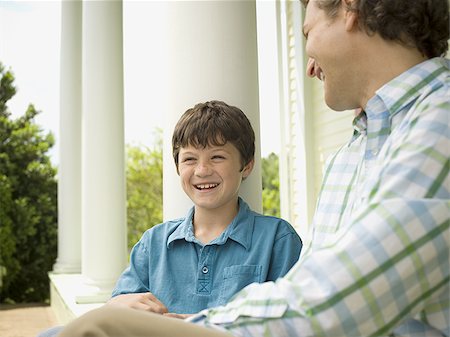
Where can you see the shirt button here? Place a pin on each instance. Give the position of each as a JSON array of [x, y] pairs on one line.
[[205, 270]]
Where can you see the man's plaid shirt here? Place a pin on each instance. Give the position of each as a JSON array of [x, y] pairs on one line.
[[378, 264]]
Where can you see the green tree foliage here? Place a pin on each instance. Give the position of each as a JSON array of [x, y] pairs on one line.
[[28, 211], [271, 185], [144, 189]]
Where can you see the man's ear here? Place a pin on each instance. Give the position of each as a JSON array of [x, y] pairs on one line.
[[351, 17], [248, 169]]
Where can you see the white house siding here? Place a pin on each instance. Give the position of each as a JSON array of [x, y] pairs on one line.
[[291, 177], [310, 130]]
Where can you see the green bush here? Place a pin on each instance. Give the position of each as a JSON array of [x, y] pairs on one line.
[[28, 204], [144, 189], [271, 185]]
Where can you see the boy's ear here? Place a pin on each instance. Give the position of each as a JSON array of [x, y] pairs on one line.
[[248, 169]]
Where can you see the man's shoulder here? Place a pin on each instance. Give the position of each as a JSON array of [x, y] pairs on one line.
[[432, 78], [433, 103], [427, 98]]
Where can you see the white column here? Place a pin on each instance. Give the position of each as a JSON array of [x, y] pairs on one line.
[[69, 172], [103, 174], [212, 55]]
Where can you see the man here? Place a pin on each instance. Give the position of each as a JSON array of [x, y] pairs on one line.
[[379, 260]]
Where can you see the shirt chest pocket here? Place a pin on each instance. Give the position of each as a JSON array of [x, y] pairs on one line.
[[237, 277]]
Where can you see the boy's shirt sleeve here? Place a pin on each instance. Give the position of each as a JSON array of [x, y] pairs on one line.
[[135, 278], [285, 252]]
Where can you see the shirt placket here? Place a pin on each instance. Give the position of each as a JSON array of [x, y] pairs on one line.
[[205, 270]]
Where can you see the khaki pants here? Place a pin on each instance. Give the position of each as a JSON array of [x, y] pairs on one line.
[[122, 322]]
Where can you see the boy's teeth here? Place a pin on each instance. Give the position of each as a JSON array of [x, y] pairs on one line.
[[205, 186]]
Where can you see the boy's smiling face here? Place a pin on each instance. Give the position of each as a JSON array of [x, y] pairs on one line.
[[211, 176]]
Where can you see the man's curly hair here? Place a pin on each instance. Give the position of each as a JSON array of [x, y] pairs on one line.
[[423, 24]]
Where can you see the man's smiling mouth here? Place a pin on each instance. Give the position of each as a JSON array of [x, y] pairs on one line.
[[314, 70]]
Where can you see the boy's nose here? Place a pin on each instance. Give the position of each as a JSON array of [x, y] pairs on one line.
[[202, 169]]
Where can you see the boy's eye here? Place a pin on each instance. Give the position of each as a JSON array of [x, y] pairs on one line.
[[188, 160], [218, 157]]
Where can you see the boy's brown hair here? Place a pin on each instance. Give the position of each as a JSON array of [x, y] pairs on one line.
[[214, 123]]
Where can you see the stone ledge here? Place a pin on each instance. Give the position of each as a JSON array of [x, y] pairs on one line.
[[64, 289]]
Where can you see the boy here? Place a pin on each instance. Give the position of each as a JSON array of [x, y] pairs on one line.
[[183, 266], [189, 264]]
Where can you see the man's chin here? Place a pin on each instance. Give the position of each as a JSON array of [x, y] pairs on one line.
[[337, 104]]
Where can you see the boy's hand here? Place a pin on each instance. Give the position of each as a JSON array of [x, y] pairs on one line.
[[180, 316], [140, 301]]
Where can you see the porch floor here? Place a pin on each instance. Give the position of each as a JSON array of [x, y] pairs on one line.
[[25, 320]]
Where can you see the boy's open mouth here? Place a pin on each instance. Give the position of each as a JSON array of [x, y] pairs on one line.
[[206, 186]]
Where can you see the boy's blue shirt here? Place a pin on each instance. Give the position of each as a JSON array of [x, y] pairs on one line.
[[188, 276]]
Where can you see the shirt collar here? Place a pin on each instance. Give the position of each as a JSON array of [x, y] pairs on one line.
[[359, 124], [239, 230], [404, 89], [184, 230], [386, 109]]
